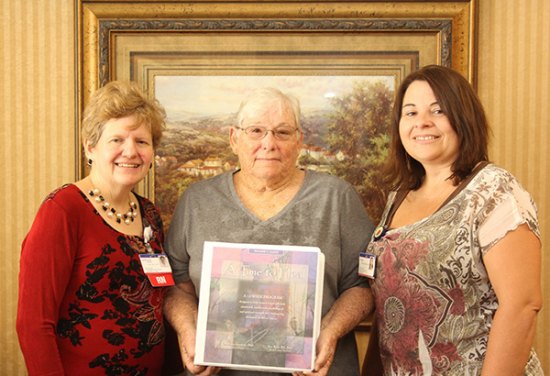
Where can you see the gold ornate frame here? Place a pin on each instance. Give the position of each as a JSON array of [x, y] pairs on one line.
[[139, 39], [142, 38]]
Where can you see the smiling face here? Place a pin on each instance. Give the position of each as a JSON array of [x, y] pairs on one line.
[[123, 154], [425, 131], [267, 159]]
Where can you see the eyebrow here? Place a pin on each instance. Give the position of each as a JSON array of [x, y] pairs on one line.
[[284, 124], [414, 105], [260, 124]]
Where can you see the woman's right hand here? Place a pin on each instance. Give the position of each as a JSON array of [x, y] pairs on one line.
[[180, 308], [187, 348]]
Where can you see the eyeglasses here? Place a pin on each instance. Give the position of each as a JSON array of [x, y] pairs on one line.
[[280, 133]]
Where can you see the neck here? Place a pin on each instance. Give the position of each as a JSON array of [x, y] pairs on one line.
[[264, 198], [116, 196], [270, 186], [434, 188], [116, 205], [436, 177]]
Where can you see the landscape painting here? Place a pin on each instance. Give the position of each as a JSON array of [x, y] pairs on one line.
[[345, 120]]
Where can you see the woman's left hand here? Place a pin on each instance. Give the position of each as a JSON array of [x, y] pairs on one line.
[[326, 348]]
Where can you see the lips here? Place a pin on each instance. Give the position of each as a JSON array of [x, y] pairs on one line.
[[425, 138], [127, 165]]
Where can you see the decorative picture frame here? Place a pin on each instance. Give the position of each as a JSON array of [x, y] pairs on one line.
[[146, 39]]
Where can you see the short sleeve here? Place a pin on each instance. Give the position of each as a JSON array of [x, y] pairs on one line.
[[175, 244], [510, 206], [356, 229]]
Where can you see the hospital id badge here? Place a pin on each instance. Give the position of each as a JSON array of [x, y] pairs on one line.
[[157, 268], [367, 264]]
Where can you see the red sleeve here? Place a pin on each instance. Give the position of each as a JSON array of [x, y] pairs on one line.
[[46, 264]]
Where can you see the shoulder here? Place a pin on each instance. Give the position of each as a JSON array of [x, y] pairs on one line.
[[150, 210], [67, 196], [495, 173], [330, 191], [498, 187], [216, 183], [145, 202], [66, 202], [66, 190], [503, 205], [205, 192], [497, 180], [326, 181]]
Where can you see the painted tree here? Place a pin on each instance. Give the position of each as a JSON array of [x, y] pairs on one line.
[[358, 129]]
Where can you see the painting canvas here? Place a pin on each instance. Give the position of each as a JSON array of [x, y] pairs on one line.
[[214, 52], [344, 119], [343, 60]]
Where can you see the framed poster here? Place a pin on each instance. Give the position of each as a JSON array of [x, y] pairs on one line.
[[343, 60]]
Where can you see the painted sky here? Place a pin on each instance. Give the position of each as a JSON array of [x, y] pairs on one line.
[[184, 96]]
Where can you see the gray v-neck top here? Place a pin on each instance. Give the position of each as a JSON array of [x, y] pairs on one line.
[[326, 212]]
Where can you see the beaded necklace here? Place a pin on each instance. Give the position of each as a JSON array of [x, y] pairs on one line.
[[127, 217]]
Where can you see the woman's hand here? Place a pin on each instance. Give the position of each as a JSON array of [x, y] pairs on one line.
[[326, 348], [180, 308], [187, 348]]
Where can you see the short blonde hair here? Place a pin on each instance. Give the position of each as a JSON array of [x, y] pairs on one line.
[[119, 99]]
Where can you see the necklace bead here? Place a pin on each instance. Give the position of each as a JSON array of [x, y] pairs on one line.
[[127, 217]]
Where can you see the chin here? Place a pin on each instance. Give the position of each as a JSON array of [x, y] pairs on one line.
[[265, 173], [273, 174], [131, 180]]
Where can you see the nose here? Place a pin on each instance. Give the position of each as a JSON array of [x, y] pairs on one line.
[[423, 120], [129, 148], [268, 141], [269, 131]]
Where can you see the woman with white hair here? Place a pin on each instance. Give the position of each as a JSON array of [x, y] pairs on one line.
[[270, 200]]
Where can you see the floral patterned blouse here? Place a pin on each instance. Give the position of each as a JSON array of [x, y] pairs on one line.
[[85, 305], [434, 301]]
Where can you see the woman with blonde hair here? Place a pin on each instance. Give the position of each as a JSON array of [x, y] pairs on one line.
[[86, 307]]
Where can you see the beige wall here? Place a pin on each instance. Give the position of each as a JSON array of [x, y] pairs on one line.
[[37, 132], [37, 99], [514, 78]]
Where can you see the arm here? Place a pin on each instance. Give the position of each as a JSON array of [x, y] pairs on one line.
[[514, 267], [352, 307], [181, 301], [45, 268], [180, 309], [355, 300]]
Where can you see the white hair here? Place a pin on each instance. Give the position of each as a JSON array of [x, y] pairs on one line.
[[262, 98]]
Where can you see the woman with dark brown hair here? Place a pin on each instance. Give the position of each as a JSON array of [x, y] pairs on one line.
[[451, 297]]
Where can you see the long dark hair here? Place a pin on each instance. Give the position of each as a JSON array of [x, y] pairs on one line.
[[462, 106]]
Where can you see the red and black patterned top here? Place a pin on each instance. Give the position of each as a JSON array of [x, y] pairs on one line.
[[85, 305]]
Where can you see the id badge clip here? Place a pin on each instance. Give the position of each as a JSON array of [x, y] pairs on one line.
[[367, 264], [157, 268]]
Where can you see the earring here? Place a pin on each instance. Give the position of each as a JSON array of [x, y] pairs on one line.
[[90, 162]]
